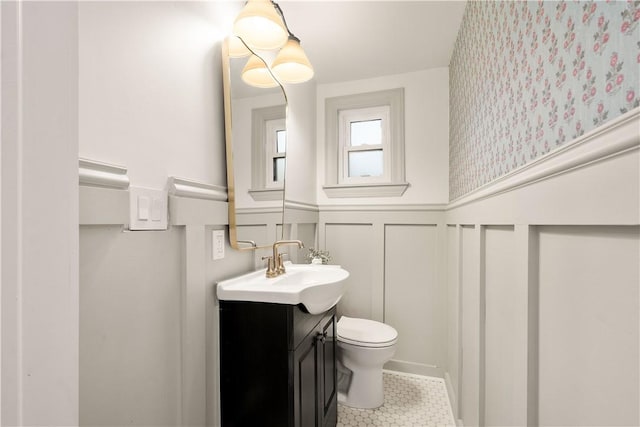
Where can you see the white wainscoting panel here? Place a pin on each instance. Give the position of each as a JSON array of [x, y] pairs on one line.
[[413, 296], [395, 258], [259, 225], [351, 246], [452, 374], [255, 233], [130, 334], [470, 325], [506, 331], [306, 233], [589, 325]]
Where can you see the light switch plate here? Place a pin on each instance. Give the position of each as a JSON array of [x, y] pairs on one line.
[[148, 209]]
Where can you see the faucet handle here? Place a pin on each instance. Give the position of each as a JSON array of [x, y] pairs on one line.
[[280, 264], [272, 270]]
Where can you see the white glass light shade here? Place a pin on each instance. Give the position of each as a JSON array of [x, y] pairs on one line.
[[292, 65], [237, 49], [256, 73], [260, 25]]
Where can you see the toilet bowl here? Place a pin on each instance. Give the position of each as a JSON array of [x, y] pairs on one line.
[[364, 346]]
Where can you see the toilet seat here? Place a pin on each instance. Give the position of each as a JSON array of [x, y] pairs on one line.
[[365, 333]]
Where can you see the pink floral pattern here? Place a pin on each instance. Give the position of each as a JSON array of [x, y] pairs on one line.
[[528, 77]]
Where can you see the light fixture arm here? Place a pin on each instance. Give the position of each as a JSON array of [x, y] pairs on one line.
[[284, 21]]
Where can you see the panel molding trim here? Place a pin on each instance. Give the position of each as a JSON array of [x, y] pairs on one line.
[[293, 204], [430, 207], [613, 138]]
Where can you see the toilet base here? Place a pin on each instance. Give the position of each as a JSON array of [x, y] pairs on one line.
[[365, 389], [364, 346]]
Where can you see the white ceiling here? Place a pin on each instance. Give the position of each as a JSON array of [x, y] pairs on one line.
[[350, 40]]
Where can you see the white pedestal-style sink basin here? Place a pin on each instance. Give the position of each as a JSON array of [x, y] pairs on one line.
[[317, 287]]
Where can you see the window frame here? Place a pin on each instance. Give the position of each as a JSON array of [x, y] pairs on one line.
[[393, 184]]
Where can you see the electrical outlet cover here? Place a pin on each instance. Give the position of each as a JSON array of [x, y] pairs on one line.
[[217, 244]]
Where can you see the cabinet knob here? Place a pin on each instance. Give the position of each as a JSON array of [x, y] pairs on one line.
[[322, 337]]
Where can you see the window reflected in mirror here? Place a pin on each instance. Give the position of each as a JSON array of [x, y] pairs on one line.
[[276, 143]]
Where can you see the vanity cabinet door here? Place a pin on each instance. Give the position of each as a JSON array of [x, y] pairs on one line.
[[305, 380], [327, 372], [315, 376], [255, 365]]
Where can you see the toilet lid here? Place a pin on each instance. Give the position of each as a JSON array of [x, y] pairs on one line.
[[366, 333]]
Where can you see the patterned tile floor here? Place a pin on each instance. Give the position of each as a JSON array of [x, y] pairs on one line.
[[409, 400]]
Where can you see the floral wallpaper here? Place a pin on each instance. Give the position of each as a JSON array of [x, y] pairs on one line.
[[527, 77]]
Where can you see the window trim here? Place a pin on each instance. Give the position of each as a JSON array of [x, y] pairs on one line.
[[395, 184], [259, 118]]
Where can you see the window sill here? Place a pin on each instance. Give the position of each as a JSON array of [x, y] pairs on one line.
[[267, 194], [366, 190]]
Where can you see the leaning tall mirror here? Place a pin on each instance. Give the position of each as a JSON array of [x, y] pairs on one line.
[[255, 132]]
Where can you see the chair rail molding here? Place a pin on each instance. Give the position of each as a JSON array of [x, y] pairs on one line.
[[182, 187], [99, 174], [613, 138], [192, 202]]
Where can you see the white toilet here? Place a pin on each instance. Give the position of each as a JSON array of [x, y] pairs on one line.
[[364, 346]]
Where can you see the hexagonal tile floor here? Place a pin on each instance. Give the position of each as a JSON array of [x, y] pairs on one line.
[[409, 400]]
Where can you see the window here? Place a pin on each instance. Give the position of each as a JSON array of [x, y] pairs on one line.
[[268, 152], [365, 145], [275, 149], [364, 141]]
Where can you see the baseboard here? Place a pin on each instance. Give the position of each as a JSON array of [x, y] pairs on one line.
[[453, 397], [414, 368]]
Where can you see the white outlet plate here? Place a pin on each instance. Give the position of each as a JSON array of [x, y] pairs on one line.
[[148, 209], [217, 244]]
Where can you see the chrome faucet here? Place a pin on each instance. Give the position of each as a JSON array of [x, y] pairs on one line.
[[275, 266]]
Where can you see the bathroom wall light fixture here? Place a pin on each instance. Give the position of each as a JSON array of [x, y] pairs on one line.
[[292, 65], [258, 27], [256, 73]]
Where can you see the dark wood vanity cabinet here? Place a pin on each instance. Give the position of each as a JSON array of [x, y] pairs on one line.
[[277, 366]]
